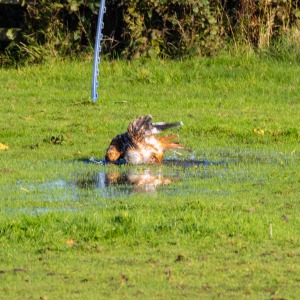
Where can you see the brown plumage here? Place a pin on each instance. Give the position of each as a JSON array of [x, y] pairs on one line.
[[140, 144]]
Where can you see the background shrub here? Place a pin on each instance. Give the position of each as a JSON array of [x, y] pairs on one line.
[[135, 28]]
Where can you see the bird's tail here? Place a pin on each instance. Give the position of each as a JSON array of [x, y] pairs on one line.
[[161, 126], [168, 143]]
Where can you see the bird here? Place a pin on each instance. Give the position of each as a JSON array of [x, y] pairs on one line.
[[140, 144]]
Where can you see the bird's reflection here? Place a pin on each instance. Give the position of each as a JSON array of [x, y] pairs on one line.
[[134, 180]]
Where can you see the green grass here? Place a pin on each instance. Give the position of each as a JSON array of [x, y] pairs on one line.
[[204, 236]]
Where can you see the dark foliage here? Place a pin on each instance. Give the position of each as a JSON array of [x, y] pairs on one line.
[[36, 29]]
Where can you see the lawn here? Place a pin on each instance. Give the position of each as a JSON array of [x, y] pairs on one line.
[[227, 227]]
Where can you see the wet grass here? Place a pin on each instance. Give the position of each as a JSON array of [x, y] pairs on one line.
[[226, 229]]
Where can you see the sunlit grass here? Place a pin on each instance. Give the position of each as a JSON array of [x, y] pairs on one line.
[[226, 229]]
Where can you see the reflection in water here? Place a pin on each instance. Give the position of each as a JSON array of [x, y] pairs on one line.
[[133, 180], [115, 180]]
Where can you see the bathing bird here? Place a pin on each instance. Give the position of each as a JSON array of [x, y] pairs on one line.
[[140, 144]]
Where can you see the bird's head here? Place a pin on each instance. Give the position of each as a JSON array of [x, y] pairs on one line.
[[115, 149], [112, 153]]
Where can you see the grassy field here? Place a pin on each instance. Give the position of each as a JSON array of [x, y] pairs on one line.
[[226, 229]]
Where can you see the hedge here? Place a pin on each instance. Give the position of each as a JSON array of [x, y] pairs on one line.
[[155, 28]]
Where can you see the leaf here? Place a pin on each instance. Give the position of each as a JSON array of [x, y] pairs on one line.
[[74, 6], [297, 14], [3, 147], [195, 10], [212, 20], [11, 34], [70, 242], [57, 5], [259, 131], [77, 35]]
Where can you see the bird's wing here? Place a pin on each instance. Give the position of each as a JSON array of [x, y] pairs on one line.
[[161, 126], [139, 128]]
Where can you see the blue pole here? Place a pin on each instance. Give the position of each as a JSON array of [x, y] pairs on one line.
[[97, 51]]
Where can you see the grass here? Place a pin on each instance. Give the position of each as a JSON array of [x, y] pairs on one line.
[[206, 235]]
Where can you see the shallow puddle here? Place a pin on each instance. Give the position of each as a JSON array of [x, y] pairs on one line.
[[96, 179], [83, 182]]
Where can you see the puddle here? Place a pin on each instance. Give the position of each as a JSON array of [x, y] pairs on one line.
[[83, 182], [91, 180]]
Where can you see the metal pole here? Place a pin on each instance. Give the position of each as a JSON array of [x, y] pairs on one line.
[[97, 50]]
